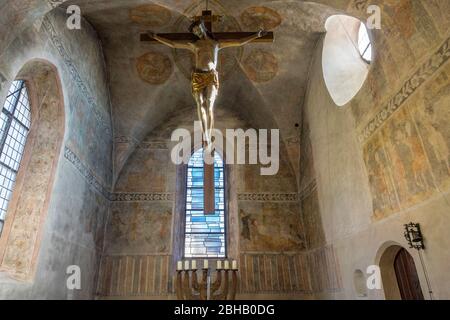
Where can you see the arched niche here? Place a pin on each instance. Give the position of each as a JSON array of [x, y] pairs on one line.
[[344, 70], [27, 210]]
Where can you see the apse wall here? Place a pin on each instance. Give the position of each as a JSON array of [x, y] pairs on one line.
[[382, 160], [72, 230], [265, 229]]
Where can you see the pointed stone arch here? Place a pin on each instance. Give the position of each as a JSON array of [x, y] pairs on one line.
[[27, 210]]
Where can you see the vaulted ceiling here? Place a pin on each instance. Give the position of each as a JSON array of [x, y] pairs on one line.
[[264, 83]]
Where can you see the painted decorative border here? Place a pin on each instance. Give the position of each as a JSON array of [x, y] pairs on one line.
[[420, 76], [125, 139], [360, 5], [106, 125], [141, 197], [86, 173], [270, 197], [92, 181], [153, 145], [310, 188]]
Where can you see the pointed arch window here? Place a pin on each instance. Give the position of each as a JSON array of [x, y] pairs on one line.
[[205, 234], [15, 122]]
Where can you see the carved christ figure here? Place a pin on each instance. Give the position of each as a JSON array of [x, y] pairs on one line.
[[205, 78]]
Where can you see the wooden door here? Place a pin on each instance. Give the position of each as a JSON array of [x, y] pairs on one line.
[[407, 278]]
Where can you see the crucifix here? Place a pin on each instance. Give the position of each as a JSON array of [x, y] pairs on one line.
[[205, 45]]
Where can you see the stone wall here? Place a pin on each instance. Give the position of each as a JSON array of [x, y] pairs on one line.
[[382, 160], [141, 231], [71, 231], [364, 170], [265, 227]]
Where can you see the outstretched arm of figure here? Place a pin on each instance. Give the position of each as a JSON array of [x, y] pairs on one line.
[[168, 42], [241, 42]]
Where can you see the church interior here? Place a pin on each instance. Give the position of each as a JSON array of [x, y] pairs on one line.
[[359, 208]]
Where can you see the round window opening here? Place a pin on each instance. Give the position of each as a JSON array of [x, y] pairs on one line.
[[364, 44], [347, 53]]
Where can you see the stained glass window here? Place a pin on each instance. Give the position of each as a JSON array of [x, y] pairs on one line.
[[204, 234], [15, 121]]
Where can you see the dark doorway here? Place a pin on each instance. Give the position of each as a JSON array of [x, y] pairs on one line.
[[407, 278]]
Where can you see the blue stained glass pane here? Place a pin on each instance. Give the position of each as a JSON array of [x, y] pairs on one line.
[[205, 235], [195, 177], [218, 161], [198, 219], [205, 245], [194, 199]]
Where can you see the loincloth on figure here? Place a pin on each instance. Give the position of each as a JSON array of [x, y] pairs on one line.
[[204, 79]]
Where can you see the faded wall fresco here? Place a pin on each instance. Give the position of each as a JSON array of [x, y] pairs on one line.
[[30, 209], [260, 66], [150, 169], [410, 30], [402, 112], [431, 112], [378, 155], [260, 218], [139, 228], [254, 18], [261, 221], [408, 158], [154, 67]]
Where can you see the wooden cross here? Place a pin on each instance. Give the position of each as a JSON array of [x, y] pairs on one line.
[[209, 194], [208, 18]]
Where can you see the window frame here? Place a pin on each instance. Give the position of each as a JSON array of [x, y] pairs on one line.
[[11, 116], [362, 53], [225, 211]]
